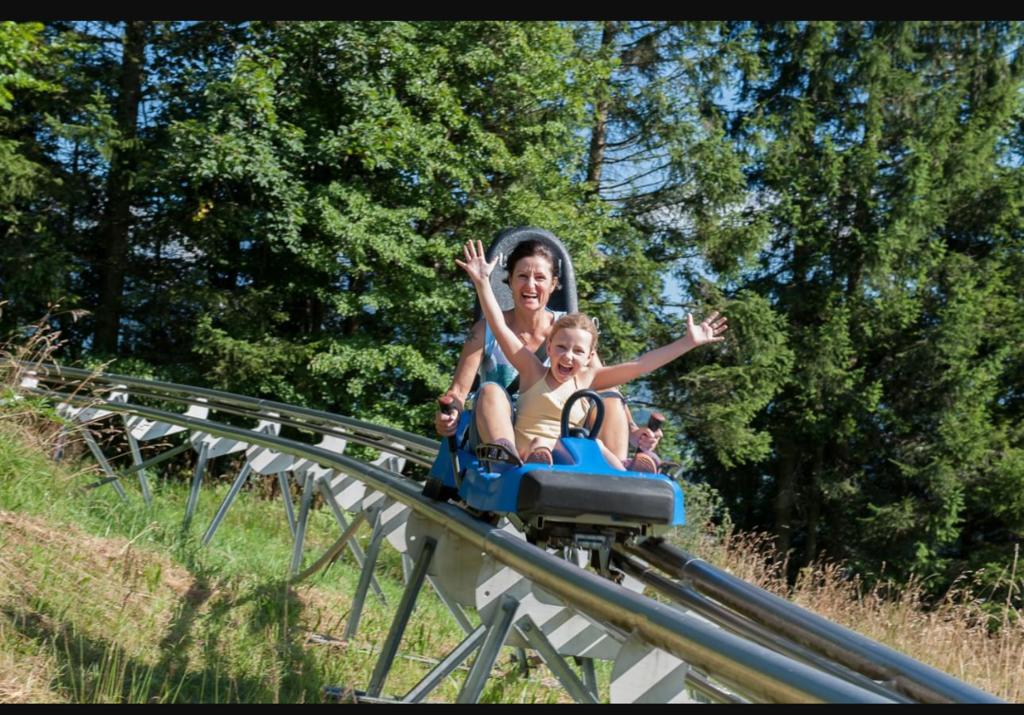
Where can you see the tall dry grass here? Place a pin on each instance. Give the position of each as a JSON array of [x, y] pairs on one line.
[[21, 356], [961, 634]]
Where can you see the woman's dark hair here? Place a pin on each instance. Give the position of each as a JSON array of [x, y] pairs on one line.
[[526, 249]]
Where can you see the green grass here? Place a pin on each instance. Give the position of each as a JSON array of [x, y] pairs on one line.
[[110, 601]]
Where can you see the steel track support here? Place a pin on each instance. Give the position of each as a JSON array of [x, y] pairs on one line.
[[236, 486], [372, 549], [104, 464], [353, 545], [405, 609], [497, 632]]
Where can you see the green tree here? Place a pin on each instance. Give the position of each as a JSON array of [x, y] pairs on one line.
[[31, 264], [884, 187], [333, 175], [661, 159], [274, 207]]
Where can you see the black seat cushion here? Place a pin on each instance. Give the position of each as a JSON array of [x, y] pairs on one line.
[[544, 492]]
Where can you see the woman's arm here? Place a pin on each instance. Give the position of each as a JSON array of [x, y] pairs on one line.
[[709, 331], [462, 382], [479, 270]]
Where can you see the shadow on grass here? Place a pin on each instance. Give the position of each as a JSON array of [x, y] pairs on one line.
[[274, 606], [93, 669]]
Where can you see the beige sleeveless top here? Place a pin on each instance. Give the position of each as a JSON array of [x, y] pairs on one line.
[[539, 413]]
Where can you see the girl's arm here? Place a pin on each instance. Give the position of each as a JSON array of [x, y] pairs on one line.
[[479, 270], [709, 331]]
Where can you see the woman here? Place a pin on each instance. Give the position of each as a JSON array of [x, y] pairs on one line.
[[547, 387], [532, 279]]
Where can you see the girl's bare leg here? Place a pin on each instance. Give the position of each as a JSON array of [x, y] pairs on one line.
[[535, 444]]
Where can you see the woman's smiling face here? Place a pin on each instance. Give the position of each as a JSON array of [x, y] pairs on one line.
[[532, 282], [569, 350]]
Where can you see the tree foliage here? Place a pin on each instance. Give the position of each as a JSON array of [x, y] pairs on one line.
[[878, 218], [274, 208]]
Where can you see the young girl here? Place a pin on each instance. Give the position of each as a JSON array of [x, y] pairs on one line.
[[570, 348]]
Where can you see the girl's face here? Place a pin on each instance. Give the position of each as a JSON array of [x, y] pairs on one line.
[[531, 281], [570, 351]]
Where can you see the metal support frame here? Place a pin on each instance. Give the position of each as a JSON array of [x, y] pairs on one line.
[[197, 478], [300, 529], [372, 549], [406, 568], [523, 662], [104, 464], [133, 445], [452, 661], [236, 487], [405, 609], [589, 675], [581, 692], [286, 495], [497, 631], [162, 457], [353, 545]]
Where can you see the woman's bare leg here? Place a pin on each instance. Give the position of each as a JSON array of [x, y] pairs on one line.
[[493, 414], [614, 461], [615, 428]]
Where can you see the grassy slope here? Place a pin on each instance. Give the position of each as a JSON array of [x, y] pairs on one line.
[[110, 601], [106, 601]]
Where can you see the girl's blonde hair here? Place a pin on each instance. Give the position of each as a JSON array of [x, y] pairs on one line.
[[576, 320]]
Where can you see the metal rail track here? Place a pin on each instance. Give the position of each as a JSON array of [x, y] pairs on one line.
[[734, 642]]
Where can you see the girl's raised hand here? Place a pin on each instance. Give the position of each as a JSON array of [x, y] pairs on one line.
[[709, 331], [476, 264]]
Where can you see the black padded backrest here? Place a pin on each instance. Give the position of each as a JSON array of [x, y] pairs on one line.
[[563, 299]]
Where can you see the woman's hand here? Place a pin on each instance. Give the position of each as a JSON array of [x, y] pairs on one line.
[[476, 265], [647, 439], [446, 422], [709, 331]]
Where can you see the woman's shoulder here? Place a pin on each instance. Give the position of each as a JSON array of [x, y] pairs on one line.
[[485, 328], [477, 332]]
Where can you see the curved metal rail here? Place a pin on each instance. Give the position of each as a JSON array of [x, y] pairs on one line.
[[749, 641], [841, 645], [415, 446]]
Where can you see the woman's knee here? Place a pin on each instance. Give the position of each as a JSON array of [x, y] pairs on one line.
[[615, 426], [492, 404], [491, 394], [615, 416]]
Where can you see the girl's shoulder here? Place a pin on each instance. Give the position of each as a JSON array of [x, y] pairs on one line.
[[585, 377]]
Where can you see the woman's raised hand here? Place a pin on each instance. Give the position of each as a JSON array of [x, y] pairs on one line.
[[476, 264], [709, 331]]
